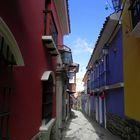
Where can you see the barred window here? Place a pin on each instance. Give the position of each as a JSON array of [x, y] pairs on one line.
[[47, 100]]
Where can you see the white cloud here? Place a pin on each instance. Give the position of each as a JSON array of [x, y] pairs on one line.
[[81, 46]]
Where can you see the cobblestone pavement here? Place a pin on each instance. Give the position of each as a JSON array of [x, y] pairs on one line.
[[80, 128]]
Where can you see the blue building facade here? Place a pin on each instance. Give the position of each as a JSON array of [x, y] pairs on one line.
[[115, 95], [105, 68]]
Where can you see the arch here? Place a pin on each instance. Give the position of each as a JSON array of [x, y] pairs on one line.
[[47, 96], [11, 42], [46, 75]]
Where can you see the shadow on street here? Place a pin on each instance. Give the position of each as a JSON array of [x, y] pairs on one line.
[[79, 127]]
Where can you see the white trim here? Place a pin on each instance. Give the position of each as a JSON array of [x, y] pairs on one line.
[[96, 90], [113, 86], [46, 127], [104, 112], [11, 41], [37, 136], [100, 111], [96, 105], [46, 76], [108, 87], [61, 8], [50, 44], [89, 99], [115, 16], [49, 39]]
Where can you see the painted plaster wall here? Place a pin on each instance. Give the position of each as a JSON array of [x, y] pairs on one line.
[[92, 104], [115, 97], [115, 102], [131, 49], [114, 65], [25, 20], [114, 60]]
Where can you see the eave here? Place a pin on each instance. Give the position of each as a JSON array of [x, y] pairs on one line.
[[106, 35], [62, 9]]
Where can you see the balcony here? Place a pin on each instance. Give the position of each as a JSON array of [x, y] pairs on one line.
[[103, 79], [72, 87], [50, 35], [135, 14]]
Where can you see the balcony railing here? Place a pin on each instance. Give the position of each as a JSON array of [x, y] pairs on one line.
[[99, 81], [135, 11]]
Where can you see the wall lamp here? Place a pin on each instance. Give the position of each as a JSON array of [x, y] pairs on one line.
[[116, 5]]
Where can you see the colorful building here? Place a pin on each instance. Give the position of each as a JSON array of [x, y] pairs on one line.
[[31, 34], [105, 75], [131, 48], [130, 27], [65, 87], [131, 42], [114, 87]]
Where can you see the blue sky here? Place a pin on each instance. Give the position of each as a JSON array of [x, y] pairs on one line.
[[86, 19]]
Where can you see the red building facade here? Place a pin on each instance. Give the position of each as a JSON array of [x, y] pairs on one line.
[[28, 64]]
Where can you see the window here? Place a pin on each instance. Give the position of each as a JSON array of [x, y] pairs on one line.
[[47, 99], [135, 11], [49, 22], [5, 94]]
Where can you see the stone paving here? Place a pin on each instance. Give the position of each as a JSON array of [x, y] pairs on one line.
[[80, 128]]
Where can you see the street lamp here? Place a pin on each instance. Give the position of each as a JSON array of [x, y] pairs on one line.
[[105, 50], [66, 55], [96, 63], [116, 5]]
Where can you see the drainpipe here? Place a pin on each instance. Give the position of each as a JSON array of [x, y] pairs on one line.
[[105, 68], [100, 111], [105, 81], [105, 112]]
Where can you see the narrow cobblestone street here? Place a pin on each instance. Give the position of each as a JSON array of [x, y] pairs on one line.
[[80, 128]]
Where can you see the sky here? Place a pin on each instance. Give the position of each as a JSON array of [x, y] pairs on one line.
[[86, 20]]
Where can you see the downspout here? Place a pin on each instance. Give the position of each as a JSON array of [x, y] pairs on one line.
[[105, 112], [105, 70]]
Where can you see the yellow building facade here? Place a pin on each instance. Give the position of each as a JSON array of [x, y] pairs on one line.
[[131, 62]]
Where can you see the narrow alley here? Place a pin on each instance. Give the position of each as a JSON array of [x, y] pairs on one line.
[[81, 128]]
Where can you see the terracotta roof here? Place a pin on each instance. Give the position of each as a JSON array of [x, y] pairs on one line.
[[100, 34], [98, 39]]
